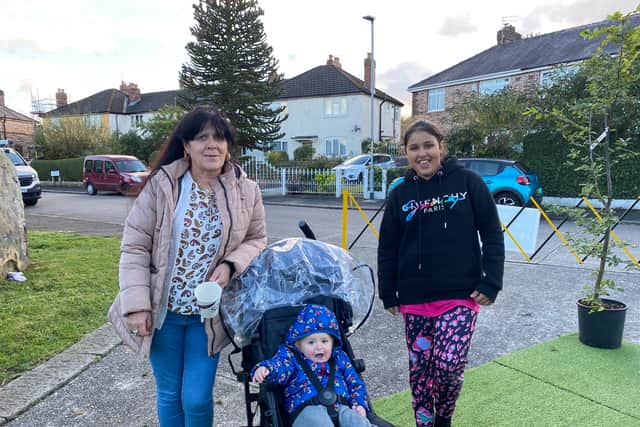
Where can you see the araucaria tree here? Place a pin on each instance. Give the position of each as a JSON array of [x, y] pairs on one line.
[[231, 67]]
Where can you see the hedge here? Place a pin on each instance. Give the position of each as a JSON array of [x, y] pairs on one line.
[[545, 153], [70, 169]]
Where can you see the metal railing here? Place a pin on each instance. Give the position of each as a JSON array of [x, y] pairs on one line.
[[297, 180]]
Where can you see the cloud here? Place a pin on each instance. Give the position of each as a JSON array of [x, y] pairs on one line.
[[395, 81], [456, 25], [25, 86], [25, 48], [580, 12]]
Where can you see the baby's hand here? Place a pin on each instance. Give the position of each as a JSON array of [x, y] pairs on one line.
[[360, 410], [260, 374]]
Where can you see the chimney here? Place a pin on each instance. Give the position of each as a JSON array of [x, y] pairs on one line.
[[132, 91], [273, 76], [335, 61], [1, 98], [367, 71], [508, 34], [61, 98]]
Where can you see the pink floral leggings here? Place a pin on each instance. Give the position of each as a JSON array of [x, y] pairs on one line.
[[438, 349]]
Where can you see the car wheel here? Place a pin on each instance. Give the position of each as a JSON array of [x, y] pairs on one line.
[[31, 202], [508, 199], [91, 190]]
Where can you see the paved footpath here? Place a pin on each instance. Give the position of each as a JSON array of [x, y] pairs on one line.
[[99, 382]]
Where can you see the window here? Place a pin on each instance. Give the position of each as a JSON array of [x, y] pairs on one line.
[[334, 147], [136, 120], [97, 166], [279, 146], [109, 168], [381, 158], [436, 100], [484, 168], [487, 87], [87, 166], [549, 77], [335, 107]]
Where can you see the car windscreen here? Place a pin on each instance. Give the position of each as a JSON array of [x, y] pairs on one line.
[[131, 166], [359, 160], [15, 159]]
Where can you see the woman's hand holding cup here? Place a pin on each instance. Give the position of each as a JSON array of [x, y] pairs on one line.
[[221, 274]]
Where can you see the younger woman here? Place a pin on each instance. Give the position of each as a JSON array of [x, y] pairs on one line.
[[433, 269]]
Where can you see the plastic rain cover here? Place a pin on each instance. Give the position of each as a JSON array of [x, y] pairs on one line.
[[289, 271]]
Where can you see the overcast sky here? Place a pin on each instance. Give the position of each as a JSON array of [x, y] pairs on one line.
[[85, 46]]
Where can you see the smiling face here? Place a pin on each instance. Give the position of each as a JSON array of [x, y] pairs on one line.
[[316, 347], [208, 152], [424, 153]]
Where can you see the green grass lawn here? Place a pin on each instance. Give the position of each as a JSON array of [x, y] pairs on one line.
[[70, 285], [558, 383]]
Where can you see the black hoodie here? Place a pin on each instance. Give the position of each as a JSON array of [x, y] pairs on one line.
[[429, 248]]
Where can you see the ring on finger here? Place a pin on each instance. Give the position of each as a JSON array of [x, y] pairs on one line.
[[134, 332]]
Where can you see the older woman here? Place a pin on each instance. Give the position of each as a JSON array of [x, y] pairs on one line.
[[198, 218]]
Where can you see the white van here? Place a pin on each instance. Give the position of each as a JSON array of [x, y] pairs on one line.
[[28, 177]]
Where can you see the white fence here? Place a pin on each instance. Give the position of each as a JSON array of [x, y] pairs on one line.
[[272, 180]]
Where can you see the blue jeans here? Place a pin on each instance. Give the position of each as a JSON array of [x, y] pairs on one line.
[[184, 372], [317, 416]]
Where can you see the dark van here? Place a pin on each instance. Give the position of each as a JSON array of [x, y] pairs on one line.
[[113, 172]]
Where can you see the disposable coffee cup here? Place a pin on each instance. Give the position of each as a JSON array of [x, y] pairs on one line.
[[208, 299]]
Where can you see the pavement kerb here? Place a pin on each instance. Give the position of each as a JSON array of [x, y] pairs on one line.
[[27, 390]]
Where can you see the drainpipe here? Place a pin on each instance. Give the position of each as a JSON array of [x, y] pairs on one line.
[[380, 119]]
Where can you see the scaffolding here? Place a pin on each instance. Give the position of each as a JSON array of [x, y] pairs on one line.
[[41, 106]]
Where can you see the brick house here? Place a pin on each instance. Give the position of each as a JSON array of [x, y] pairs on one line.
[[111, 110], [514, 62], [17, 128]]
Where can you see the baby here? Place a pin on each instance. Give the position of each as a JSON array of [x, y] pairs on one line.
[[311, 356]]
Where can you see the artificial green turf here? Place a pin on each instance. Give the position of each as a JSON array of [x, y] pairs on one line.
[[609, 377], [559, 383]]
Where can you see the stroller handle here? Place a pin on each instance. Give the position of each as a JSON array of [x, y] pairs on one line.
[[306, 230]]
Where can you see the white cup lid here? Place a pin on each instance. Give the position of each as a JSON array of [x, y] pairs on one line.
[[208, 293]]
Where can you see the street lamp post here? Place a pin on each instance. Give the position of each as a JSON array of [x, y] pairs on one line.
[[372, 90]]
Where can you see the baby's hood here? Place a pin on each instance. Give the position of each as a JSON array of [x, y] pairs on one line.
[[314, 319]]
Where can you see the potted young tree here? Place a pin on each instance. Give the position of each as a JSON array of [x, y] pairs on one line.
[[600, 138]]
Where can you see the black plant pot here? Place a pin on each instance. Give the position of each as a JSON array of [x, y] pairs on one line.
[[602, 329]]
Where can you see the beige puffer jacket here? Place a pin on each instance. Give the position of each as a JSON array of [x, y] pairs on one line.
[[146, 242]]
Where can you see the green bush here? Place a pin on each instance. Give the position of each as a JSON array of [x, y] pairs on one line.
[[70, 169], [304, 152], [321, 162], [276, 157], [393, 174], [545, 153], [325, 182]]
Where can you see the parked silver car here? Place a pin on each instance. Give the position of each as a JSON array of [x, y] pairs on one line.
[[354, 168], [28, 177]]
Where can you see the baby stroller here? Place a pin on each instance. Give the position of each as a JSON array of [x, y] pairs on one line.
[[259, 307]]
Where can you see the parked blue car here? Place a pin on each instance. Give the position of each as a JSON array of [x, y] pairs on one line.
[[510, 182]]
